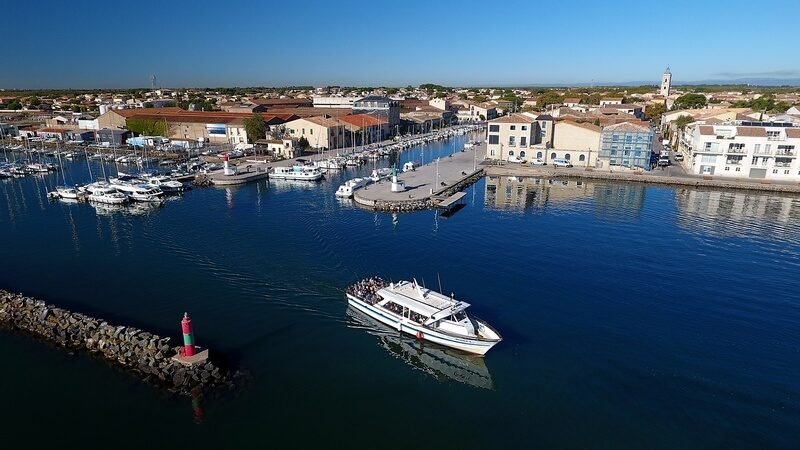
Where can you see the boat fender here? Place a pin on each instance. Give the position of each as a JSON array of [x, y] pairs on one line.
[[419, 335]]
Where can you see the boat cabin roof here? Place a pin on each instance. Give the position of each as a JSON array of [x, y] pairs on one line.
[[423, 301]]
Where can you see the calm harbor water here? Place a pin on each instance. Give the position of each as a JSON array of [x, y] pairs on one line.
[[633, 317]]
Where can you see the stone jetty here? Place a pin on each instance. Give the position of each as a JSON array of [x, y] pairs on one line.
[[144, 354]]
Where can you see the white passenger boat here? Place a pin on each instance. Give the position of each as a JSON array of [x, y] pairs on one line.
[[140, 192], [107, 195], [297, 172], [166, 184], [426, 314], [329, 164], [347, 189]]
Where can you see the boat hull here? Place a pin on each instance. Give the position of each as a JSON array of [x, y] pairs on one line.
[[474, 346]]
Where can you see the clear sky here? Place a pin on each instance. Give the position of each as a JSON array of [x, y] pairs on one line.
[[88, 44]]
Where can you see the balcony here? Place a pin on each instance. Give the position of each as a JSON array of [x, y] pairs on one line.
[[738, 151], [786, 153], [734, 162], [782, 164], [704, 149]]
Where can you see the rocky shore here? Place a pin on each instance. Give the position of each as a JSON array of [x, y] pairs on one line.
[[144, 354]]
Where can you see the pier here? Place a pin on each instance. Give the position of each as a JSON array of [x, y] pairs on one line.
[[426, 186]]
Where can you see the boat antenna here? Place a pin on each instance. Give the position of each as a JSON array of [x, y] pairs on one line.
[[440, 282], [423, 282]]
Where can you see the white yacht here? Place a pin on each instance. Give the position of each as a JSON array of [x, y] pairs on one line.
[[296, 172], [426, 314], [141, 192], [107, 195], [329, 164], [166, 184], [69, 192], [347, 189]]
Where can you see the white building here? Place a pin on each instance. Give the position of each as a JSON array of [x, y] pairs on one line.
[[334, 102], [757, 150], [511, 136]]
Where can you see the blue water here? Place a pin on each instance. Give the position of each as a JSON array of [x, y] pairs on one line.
[[632, 316]]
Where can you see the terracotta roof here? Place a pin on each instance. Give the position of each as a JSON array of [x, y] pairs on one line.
[[707, 130], [514, 118], [361, 120], [793, 133], [324, 121], [285, 102], [628, 126], [751, 131], [584, 125]]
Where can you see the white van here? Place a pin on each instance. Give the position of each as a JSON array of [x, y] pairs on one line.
[[561, 163]]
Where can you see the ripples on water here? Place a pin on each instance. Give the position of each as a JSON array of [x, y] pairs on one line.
[[631, 309]]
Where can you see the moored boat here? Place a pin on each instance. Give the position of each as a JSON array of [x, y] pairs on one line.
[[412, 309], [297, 172]]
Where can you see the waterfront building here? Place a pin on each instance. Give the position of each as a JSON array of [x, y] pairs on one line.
[[8, 130], [368, 128], [284, 147], [323, 132], [376, 104], [576, 142], [475, 112], [744, 149], [115, 138], [666, 83], [626, 145], [511, 136]]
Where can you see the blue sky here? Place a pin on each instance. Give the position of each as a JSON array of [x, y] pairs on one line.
[[87, 44]]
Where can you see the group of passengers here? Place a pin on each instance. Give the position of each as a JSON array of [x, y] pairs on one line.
[[367, 289]]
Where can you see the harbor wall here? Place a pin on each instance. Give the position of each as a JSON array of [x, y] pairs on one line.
[[144, 354], [637, 177]]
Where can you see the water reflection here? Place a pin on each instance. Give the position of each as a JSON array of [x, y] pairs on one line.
[[441, 363], [739, 213], [526, 193]]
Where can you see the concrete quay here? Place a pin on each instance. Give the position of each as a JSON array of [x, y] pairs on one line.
[[656, 177], [424, 188]]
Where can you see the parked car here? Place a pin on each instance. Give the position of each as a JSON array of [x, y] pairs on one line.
[[561, 163], [664, 161], [515, 159], [538, 162], [678, 156]]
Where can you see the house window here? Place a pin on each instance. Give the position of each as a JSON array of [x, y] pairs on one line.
[[758, 148], [523, 141], [538, 154], [512, 141], [522, 154], [582, 158], [774, 170], [567, 157], [511, 152], [494, 128], [491, 152], [552, 156], [524, 127], [513, 127], [494, 139], [786, 172], [738, 169], [727, 168]]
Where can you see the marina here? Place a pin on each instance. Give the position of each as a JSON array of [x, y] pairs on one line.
[[213, 251]]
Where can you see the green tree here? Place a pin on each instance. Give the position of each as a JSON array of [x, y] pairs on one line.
[[34, 101], [147, 127], [548, 98], [655, 111], [255, 128], [148, 105], [76, 108], [690, 101], [302, 143], [682, 121]]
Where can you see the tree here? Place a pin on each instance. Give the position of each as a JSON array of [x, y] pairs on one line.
[[302, 143], [148, 105], [34, 101], [76, 108], [255, 128], [147, 127], [654, 112], [682, 121], [690, 101], [548, 98]]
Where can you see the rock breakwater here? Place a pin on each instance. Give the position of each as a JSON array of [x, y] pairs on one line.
[[144, 354]]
